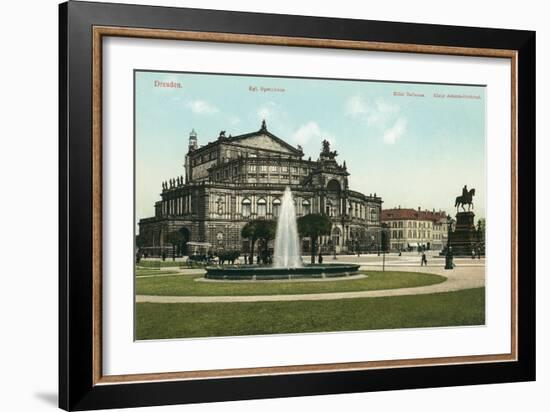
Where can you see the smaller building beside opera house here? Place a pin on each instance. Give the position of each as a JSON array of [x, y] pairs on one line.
[[236, 179], [412, 228]]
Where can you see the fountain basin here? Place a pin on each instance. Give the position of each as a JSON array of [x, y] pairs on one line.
[[271, 273]]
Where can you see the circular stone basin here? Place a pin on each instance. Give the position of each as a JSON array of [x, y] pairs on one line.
[[270, 272]]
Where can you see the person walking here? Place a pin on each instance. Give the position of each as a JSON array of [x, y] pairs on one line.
[[424, 261]]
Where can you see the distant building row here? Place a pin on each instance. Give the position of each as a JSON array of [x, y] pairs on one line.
[[410, 228]]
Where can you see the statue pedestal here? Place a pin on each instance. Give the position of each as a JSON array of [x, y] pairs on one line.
[[464, 238]]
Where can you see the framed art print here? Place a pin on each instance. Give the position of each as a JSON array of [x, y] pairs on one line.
[[259, 205]]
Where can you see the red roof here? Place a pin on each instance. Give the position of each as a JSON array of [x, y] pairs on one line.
[[411, 214]]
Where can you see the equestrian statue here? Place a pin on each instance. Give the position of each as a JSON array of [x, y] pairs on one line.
[[465, 199]]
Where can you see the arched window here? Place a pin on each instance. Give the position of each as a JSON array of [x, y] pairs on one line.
[[276, 207], [306, 207], [333, 186], [246, 207], [262, 209]]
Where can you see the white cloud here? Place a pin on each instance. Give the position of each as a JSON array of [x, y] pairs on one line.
[[265, 112], [378, 114], [356, 106], [310, 131], [269, 111], [392, 134], [276, 117], [201, 107]]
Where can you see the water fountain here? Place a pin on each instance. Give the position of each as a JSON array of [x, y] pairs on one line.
[[287, 244], [287, 259]]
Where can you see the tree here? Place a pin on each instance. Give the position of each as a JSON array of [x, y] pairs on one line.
[[263, 230], [175, 239], [481, 224], [249, 232], [140, 242], [313, 226]]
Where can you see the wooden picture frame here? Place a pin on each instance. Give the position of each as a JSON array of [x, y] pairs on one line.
[[82, 385]]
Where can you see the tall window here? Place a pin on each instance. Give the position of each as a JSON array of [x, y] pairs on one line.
[[306, 207], [328, 209], [262, 209], [336, 236], [276, 207], [246, 207]]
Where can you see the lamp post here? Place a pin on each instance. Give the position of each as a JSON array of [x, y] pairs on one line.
[[449, 253]]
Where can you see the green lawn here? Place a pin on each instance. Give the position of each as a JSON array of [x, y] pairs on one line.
[[185, 320], [160, 263], [153, 272], [187, 285]]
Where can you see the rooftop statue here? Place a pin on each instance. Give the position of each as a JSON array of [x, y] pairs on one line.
[[326, 152]]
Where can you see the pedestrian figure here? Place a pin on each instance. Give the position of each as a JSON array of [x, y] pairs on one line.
[[473, 254], [320, 257], [424, 261]]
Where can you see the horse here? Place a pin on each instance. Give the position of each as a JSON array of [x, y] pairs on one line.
[[465, 200]]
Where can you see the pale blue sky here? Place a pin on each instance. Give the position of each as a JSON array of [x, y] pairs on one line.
[[413, 151]]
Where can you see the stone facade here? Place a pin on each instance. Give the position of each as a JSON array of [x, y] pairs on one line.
[[233, 180], [410, 228]]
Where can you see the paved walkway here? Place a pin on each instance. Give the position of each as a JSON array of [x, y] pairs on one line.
[[461, 277]]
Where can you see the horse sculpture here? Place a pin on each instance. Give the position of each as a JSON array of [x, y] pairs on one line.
[[465, 199]]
